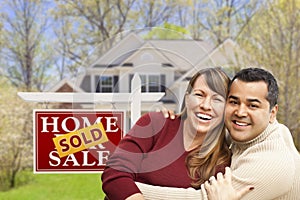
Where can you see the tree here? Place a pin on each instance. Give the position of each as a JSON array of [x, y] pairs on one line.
[[151, 13], [83, 25], [15, 135], [273, 40], [167, 32], [23, 32], [218, 20]]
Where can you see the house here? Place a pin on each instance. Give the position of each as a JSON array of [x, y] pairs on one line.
[[163, 66]]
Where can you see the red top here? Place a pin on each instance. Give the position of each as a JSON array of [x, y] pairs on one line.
[[153, 153]]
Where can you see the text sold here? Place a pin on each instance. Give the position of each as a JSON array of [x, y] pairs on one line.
[[79, 140]]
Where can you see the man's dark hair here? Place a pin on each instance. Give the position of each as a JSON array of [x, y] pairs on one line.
[[258, 74]]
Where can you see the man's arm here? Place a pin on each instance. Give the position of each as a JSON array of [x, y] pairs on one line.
[[268, 166], [220, 188], [136, 196], [151, 192], [216, 190]]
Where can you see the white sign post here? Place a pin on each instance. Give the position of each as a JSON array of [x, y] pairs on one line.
[[135, 97]]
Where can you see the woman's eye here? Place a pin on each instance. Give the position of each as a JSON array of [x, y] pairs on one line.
[[218, 100], [198, 95]]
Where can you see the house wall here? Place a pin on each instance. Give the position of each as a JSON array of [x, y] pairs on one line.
[[148, 69], [124, 74]]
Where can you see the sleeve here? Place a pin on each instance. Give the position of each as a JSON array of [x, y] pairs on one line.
[[151, 192], [288, 138], [270, 172], [268, 166], [269, 182], [121, 168]]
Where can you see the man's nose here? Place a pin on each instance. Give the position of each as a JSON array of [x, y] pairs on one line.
[[241, 111]]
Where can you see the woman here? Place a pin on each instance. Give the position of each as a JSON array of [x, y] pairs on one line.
[[177, 153]]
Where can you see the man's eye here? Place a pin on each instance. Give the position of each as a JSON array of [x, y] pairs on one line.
[[253, 106], [233, 102]]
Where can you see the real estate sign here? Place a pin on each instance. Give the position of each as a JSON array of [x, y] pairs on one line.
[[75, 140]]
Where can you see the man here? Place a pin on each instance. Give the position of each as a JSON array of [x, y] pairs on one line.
[[263, 152], [261, 157]]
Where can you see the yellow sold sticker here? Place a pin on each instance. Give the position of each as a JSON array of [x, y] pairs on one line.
[[80, 139]]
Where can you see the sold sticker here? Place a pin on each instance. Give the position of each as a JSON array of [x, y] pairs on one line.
[[80, 139]]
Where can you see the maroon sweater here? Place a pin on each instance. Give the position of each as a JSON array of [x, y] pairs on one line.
[[152, 152]]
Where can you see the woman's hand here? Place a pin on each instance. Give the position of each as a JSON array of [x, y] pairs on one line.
[[222, 189], [167, 113]]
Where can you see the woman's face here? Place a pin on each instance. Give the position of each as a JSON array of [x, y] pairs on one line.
[[205, 108]]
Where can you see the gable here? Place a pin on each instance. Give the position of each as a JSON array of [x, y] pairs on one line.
[[65, 86], [120, 51], [149, 56]]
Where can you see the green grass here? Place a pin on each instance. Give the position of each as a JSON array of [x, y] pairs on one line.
[[57, 186]]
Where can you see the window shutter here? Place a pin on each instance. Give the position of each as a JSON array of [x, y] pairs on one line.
[[116, 84], [162, 83], [130, 79]]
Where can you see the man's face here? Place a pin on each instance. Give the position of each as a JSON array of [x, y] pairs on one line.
[[247, 112]]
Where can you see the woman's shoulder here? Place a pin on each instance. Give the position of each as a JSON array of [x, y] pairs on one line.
[[157, 123]]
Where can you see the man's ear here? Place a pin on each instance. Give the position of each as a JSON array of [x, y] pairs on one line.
[[273, 114]]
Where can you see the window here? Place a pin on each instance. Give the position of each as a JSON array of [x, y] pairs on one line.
[[106, 84], [154, 83], [151, 82]]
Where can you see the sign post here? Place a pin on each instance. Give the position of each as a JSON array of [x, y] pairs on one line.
[[81, 140]]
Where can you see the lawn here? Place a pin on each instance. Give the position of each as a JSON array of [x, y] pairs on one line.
[[57, 186]]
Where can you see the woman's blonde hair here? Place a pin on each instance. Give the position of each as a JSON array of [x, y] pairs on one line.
[[214, 150]]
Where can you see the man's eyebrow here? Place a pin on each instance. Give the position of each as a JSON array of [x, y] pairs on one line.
[[249, 99], [254, 100], [233, 97]]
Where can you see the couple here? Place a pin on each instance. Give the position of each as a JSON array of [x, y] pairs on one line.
[[174, 159]]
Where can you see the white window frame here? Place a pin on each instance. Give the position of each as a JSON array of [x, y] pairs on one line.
[[146, 84], [110, 86]]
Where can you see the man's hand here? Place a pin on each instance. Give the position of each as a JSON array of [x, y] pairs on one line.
[[222, 189]]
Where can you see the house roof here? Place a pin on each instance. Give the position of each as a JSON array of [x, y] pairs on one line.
[[222, 55], [120, 51], [183, 53], [186, 56]]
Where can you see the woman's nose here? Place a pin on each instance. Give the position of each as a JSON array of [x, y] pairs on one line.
[[206, 103]]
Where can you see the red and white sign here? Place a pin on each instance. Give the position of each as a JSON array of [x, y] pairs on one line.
[[75, 140]]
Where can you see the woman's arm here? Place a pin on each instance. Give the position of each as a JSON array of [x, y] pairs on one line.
[[124, 164]]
